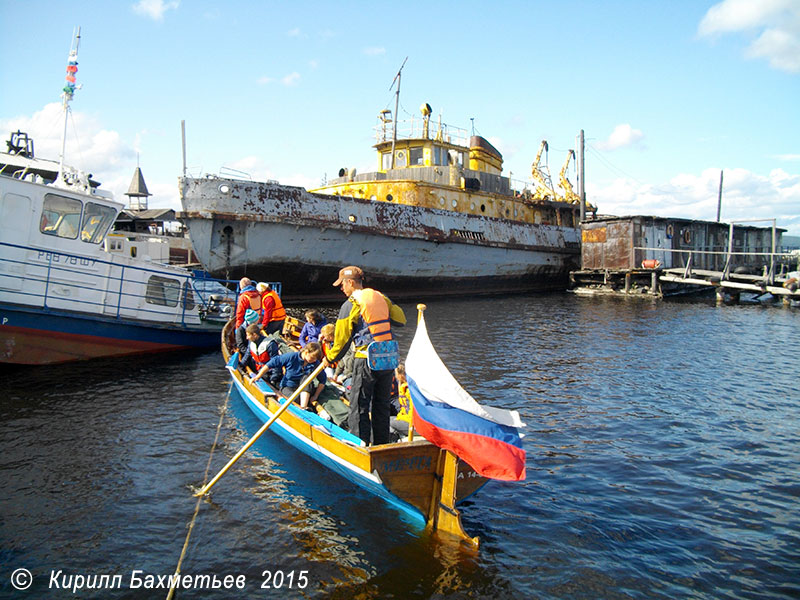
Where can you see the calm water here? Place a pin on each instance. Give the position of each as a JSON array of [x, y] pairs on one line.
[[663, 447]]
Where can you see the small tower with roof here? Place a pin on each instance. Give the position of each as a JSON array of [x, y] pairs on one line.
[[137, 191]]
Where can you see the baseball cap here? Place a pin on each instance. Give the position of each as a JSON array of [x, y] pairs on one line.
[[349, 273]]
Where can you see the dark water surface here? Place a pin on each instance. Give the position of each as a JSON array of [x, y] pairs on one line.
[[663, 447]]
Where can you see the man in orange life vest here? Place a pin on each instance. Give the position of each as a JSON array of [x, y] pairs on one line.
[[274, 313], [366, 316], [248, 298]]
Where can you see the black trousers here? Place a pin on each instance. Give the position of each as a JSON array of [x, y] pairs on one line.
[[370, 395]]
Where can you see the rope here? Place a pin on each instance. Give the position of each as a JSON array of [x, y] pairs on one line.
[[199, 500]]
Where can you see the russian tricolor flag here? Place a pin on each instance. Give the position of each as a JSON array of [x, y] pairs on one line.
[[486, 438]]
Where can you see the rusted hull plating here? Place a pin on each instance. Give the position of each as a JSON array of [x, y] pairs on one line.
[[269, 231]]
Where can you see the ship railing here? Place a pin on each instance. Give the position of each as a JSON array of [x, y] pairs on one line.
[[52, 280], [414, 128]]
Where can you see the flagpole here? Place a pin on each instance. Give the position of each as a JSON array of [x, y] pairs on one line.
[[420, 309]]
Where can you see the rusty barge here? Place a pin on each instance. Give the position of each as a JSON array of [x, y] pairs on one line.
[[437, 218]]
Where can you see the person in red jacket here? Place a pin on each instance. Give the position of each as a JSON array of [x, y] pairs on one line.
[[248, 298], [274, 313]]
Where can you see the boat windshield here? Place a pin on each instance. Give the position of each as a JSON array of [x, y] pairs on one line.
[[61, 216], [97, 220]]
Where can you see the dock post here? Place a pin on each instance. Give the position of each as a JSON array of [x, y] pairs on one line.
[[628, 282]]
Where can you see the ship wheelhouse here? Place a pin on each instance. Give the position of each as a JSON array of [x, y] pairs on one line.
[[442, 167]]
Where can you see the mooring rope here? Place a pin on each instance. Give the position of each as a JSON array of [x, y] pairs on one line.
[[176, 576]]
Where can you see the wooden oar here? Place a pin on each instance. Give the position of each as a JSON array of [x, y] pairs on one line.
[[264, 427]]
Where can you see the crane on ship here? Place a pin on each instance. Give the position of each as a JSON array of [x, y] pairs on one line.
[[541, 177], [569, 192]]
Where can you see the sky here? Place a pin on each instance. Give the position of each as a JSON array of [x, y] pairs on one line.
[[669, 93]]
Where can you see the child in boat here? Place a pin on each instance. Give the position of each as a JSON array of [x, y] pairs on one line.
[[296, 367], [242, 343], [400, 423], [262, 349], [315, 321], [326, 334]]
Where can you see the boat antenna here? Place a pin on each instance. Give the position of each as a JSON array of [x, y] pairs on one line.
[[66, 94], [396, 105]]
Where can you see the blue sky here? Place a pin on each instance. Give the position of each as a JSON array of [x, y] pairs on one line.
[[668, 93]]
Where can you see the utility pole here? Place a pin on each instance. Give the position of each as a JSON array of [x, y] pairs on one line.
[[719, 198], [581, 172]]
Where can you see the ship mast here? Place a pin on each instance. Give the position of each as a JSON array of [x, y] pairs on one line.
[[396, 105], [66, 96]]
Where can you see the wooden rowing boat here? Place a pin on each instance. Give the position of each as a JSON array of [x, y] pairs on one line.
[[422, 480]]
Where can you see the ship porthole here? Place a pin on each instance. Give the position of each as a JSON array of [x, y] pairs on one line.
[[472, 206], [483, 208], [373, 197], [455, 203], [224, 188], [389, 197], [352, 218], [441, 200]]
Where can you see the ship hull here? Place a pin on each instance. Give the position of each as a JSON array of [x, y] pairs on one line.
[[268, 231]]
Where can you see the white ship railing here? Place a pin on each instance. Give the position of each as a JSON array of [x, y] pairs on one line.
[[415, 129]]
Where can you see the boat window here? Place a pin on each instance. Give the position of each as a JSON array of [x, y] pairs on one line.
[[439, 156], [162, 291], [456, 158], [415, 156], [61, 216], [400, 158], [97, 219], [188, 296], [386, 161]]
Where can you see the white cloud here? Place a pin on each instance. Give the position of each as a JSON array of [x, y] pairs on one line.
[[155, 9], [745, 195], [291, 79], [788, 157], [775, 25], [623, 136], [90, 147], [294, 32], [375, 51]]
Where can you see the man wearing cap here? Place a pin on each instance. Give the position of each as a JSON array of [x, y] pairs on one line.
[[366, 316]]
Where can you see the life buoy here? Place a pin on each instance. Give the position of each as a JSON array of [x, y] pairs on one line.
[[651, 263], [687, 236], [670, 231]]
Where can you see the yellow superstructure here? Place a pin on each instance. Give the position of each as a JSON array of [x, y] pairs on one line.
[[446, 170]]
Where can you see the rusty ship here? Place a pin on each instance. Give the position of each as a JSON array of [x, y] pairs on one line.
[[436, 218]]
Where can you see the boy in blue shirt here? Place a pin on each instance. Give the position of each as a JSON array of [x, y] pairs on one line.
[[296, 367]]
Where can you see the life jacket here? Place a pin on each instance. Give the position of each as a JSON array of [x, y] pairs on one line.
[[255, 301], [260, 351], [375, 316], [278, 313]]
